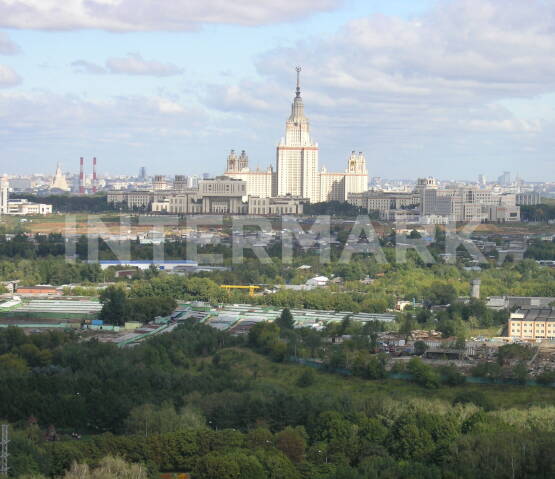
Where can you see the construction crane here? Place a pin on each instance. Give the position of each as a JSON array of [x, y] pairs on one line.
[[252, 288]]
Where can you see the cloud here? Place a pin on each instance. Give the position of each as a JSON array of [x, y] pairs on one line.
[[7, 47], [82, 66], [135, 64], [415, 91], [150, 15], [124, 132], [8, 77]]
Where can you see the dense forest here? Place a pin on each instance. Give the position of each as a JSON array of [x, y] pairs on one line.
[[200, 401], [543, 212]]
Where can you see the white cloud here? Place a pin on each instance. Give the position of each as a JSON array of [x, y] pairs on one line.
[[7, 47], [135, 64], [125, 132], [82, 66], [386, 84], [8, 77], [145, 15]]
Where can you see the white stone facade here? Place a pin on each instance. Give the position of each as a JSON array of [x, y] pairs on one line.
[[297, 171]]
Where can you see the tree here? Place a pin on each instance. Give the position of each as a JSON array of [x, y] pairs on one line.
[[285, 319], [420, 347], [440, 293], [217, 466], [376, 368], [306, 379], [423, 374], [109, 467], [478, 398], [451, 376], [546, 377], [115, 305], [520, 372], [409, 441], [291, 441]]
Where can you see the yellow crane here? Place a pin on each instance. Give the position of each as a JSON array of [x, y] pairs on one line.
[[251, 287]]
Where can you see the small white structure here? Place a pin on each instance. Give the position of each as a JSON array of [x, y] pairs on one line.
[[318, 281], [24, 207]]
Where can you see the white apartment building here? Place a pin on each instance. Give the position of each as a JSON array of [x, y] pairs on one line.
[[19, 206], [466, 204]]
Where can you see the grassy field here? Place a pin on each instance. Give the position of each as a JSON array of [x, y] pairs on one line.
[[486, 332], [285, 376]]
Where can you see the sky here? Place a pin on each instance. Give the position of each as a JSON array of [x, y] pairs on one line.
[[445, 88]]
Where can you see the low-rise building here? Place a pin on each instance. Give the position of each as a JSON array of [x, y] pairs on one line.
[[25, 207], [532, 324], [41, 290], [284, 205]]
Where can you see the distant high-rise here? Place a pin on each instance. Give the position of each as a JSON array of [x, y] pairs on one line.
[[59, 182], [297, 155], [206, 176], [142, 173], [297, 173], [482, 181], [505, 179], [4, 196], [160, 183]]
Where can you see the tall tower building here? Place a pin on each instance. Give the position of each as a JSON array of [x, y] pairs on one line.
[[297, 155], [59, 181], [4, 188]]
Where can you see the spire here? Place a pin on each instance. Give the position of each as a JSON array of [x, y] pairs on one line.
[[297, 108]]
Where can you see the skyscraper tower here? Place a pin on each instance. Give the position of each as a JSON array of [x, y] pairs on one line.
[[4, 195], [297, 154]]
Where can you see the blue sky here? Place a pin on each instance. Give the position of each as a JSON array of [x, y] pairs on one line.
[[450, 88]]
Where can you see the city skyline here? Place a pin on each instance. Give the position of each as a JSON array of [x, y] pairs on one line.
[[451, 89]]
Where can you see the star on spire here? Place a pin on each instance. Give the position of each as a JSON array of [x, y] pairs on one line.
[[298, 81]]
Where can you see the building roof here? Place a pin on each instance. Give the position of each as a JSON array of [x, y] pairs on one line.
[[536, 314]]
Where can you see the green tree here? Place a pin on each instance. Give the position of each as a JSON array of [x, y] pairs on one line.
[[291, 441], [115, 305], [423, 374], [285, 319], [109, 467], [215, 465], [306, 379], [420, 348]]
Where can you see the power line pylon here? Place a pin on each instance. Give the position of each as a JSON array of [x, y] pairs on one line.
[[4, 451]]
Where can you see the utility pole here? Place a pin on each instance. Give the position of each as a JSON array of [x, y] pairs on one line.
[[4, 451]]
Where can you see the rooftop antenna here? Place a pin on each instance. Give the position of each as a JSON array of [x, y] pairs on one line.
[[298, 81]]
